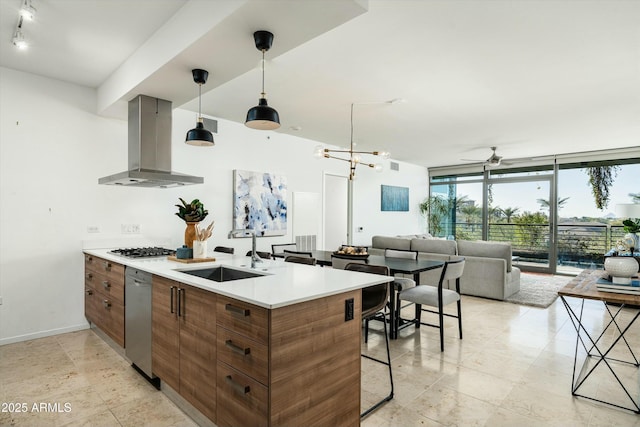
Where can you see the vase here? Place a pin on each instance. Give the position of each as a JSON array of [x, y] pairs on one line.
[[190, 234], [199, 248], [621, 269]]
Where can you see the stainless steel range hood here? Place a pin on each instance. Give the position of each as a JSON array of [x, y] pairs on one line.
[[150, 148]]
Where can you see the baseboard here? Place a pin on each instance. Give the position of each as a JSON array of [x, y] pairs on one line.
[[43, 334]]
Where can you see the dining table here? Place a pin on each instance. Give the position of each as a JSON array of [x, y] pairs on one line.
[[396, 266]]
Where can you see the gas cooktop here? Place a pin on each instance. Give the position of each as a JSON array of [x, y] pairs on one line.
[[143, 252]]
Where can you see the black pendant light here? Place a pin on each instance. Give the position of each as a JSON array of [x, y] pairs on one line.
[[262, 116], [199, 135]]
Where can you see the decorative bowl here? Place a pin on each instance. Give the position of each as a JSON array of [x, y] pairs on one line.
[[346, 255], [621, 269], [352, 251]]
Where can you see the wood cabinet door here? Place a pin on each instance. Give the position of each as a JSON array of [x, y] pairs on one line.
[[165, 331], [198, 349]]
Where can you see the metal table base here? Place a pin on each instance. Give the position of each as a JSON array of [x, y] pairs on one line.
[[596, 350]]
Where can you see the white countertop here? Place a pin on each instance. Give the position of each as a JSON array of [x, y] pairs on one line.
[[283, 283]]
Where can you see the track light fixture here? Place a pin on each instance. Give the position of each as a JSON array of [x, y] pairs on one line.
[[199, 135], [27, 11], [262, 116], [18, 39], [354, 156]]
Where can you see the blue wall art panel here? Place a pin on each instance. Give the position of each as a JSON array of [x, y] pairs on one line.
[[394, 198], [260, 202]]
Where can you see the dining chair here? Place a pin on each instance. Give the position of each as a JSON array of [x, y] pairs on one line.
[[374, 299], [438, 296], [400, 282], [288, 252], [340, 261], [300, 260], [224, 249], [278, 248], [261, 254]]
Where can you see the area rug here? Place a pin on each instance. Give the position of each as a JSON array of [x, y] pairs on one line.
[[538, 290]]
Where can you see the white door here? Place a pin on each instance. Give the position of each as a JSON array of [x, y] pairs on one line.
[[335, 211]]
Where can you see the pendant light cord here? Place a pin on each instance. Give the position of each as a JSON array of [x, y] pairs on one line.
[[199, 101], [263, 94], [352, 130]]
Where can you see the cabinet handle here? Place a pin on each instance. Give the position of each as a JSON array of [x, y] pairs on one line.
[[239, 388], [171, 289], [106, 284], [88, 291], [107, 265], [89, 276], [244, 312], [106, 304], [181, 299], [88, 258], [236, 349]]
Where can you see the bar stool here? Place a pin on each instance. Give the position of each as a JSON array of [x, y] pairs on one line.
[[374, 299]]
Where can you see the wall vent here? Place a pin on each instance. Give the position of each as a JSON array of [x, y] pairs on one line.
[[210, 124], [394, 166], [306, 243]]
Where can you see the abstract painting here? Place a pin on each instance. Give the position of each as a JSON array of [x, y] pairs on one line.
[[394, 198], [260, 202]]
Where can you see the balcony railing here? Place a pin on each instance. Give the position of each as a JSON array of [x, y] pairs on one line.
[[579, 245]]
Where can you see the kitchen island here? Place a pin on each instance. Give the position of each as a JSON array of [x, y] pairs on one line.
[[282, 348]]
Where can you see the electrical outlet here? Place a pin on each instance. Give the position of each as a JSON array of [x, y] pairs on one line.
[[348, 309], [93, 229], [130, 228]]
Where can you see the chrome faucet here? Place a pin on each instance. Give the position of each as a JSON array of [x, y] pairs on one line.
[[248, 232]]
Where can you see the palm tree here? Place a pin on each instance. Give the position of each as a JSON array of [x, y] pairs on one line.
[[495, 212], [635, 197], [509, 212], [544, 203], [435, 209], [470, 211]]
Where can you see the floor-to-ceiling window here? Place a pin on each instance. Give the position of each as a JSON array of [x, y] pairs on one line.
[[546, 209], [584, 231]]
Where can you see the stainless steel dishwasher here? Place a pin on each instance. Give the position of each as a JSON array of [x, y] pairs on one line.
[[137, 321]]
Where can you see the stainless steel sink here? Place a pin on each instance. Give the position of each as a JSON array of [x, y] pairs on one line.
[[222, 274]]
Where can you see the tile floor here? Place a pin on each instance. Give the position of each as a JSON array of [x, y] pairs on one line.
[[513, 368]]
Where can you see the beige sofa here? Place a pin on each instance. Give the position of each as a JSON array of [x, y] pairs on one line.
[[488, 271]]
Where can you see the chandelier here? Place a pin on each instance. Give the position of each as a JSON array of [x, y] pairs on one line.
[[353, 155]]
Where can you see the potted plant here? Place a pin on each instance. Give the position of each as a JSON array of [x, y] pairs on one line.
[[191, 213]]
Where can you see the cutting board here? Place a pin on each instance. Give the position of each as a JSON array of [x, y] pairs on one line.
[[190, 260]]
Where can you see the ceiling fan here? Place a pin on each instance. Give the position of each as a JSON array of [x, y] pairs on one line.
[[493, 160]]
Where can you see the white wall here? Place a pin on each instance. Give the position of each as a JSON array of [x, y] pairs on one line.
[[53, 149]]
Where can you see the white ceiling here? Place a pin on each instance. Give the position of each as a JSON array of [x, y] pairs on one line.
[[532, 77]]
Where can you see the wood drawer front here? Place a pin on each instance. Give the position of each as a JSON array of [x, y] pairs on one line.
[[114, 289], [243, 318], [242, 401], [247, 356], [92, 310], [111, 316], [113, 270]]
